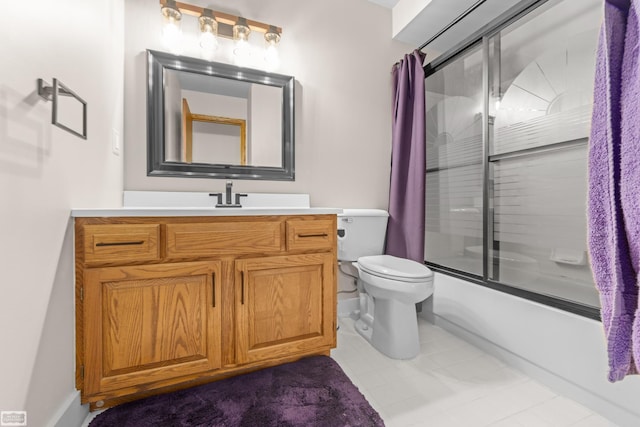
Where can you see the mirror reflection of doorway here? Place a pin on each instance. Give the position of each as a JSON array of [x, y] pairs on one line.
[[206, 137]]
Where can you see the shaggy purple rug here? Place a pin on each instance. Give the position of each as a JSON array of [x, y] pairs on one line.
[[310, 392]]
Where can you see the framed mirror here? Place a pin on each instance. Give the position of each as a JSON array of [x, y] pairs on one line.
[[213, 120]]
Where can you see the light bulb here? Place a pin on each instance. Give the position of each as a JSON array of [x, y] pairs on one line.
[[208, 34], [171, 32], [271, 57], [171, 36], [208, 45], [242, 52]]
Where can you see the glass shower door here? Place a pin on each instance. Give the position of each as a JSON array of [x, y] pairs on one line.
[[541, 78], [454, 101]]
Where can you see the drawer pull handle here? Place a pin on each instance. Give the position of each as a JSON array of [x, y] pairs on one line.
[[137, 242], [313, 235], [213, 279]]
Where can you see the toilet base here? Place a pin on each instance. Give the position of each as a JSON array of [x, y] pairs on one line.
[[394, 331], [363, 329]]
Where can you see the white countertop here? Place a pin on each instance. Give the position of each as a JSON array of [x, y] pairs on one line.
[[181, 203], [209, 211]]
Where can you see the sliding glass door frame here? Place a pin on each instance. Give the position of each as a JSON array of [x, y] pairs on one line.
[[489, 264]]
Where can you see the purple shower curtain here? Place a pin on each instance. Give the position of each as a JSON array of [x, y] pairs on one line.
[[614, 185], [405, 231]]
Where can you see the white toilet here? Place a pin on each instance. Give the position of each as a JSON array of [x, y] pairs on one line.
[[389, 286]]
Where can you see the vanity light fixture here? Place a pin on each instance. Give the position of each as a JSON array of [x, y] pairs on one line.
[[214, 24], [171, 20], [208, 33], [272, 37], [242, 49]]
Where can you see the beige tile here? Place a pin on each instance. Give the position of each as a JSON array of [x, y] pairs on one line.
[[391, 393], [523, 419], [505, 422], [594, 421], [409, 412], [457, 355], [478, 413], [402, 372], [425, 363], [561, 411], [522, 396], [369, 380], [431, 420]]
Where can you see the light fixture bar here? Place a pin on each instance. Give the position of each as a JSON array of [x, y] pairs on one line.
[[222, 17]]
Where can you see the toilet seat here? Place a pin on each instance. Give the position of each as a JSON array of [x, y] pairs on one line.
[[394, 268]]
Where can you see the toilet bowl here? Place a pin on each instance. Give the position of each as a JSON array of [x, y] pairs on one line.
[[389, 286], [389, 320]]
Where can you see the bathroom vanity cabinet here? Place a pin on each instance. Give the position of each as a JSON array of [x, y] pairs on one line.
[[170, 302]]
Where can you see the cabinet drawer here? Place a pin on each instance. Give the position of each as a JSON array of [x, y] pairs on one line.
[[224, 238], [121, 242], [311, 234]]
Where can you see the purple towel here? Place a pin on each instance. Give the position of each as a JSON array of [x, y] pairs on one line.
[[630, 162], [611, 184]]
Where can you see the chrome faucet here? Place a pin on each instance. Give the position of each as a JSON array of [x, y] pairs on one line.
[[228, 203], [228, 192]]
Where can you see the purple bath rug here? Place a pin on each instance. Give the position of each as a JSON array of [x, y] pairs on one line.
[[310, 392]]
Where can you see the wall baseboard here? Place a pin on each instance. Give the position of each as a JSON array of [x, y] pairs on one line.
[[71, 413]]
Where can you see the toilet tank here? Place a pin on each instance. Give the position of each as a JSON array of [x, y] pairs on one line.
[[361, 232]]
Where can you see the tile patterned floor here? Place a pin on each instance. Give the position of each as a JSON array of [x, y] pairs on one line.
[[453, 384]]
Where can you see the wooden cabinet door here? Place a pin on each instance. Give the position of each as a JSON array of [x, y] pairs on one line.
[[150, 323], [284, 305]]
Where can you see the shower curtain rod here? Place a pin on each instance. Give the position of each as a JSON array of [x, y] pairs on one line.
[[452, 23]]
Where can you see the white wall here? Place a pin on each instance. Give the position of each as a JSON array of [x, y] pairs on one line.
[[211, 104], [341, 55], [215, 143], [44, 172], [563, 350]]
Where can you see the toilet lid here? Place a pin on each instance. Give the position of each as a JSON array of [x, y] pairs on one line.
[[395, 268]]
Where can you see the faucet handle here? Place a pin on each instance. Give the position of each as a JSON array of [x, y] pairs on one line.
[[219, 197], [238, 195]]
